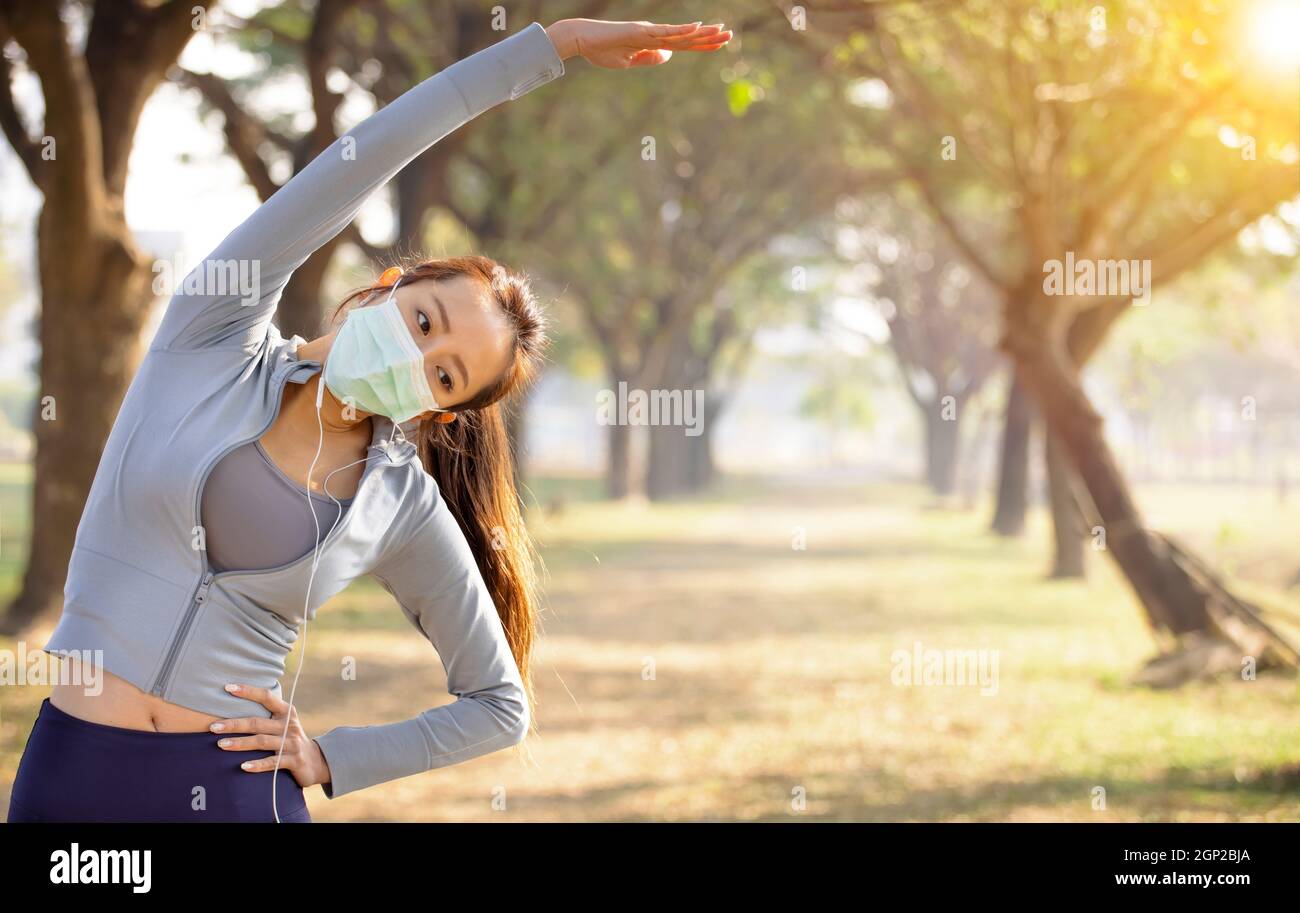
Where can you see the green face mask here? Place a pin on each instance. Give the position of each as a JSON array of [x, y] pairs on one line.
[[375, 364]]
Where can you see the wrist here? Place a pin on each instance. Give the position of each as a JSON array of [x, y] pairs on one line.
[[563, 36], [322, 767]]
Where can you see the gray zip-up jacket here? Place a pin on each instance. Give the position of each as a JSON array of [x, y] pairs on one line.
[[139, 585]]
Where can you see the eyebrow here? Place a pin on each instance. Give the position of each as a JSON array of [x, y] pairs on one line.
[[446, 328]]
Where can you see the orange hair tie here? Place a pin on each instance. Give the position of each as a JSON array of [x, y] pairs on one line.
[[390, 275]]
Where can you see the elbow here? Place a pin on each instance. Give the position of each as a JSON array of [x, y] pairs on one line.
[[508, 705], [519, 717], [519, 731]]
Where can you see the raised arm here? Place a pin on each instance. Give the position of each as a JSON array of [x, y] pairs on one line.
[[228, 299], [435, 580]]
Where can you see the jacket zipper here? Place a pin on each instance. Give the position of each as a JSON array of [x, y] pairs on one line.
[[162, 680], [200, 597]]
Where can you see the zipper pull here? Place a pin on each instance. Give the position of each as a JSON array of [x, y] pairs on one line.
[[202, 595]]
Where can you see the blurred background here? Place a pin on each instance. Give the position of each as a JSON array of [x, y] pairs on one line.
[[918, 533]]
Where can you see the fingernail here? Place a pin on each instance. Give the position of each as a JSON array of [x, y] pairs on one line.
[[217, 727], [232, 688], [223, 742], [246, 765]]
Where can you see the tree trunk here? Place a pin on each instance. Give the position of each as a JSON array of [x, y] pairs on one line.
[[667, 462], [90, 324], [299, 310], [701, 469], [942, 437], [1013, 464], [96, 283], [618, 462], [1070, 527], [1170, 605], [1212, 630], [1068, 523]]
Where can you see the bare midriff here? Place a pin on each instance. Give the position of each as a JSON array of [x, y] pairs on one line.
[[120, 703]]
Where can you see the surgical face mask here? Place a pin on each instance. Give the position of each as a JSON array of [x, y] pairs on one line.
[[376, 364]]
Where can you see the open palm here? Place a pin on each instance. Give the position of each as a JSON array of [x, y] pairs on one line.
[[619, 45]]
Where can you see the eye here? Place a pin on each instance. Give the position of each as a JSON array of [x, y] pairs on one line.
[[423, 322], [444, 378]]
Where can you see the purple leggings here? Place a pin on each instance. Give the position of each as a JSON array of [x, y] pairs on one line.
[[74, 770]]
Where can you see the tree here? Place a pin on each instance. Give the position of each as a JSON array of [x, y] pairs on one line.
[[711, 356], [698, 185], [95, 281], [942, 325], [1011, 495], [1204, 156]]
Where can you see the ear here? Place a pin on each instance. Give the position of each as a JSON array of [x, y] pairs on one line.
[[389, 276], [441, 418]]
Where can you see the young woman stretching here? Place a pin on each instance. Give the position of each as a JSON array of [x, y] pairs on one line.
[[249, 478]]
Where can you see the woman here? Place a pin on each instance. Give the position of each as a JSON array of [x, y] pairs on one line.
[[248, 478]]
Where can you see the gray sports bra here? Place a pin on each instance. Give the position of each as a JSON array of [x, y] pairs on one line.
[[255, 517]]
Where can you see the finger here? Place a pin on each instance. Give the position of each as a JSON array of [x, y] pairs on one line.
[[706, 47], [664, 31], [701, 34], [650, 57], [261, 696], [267, 765], [255, 743], [248, 724], [721, 38]]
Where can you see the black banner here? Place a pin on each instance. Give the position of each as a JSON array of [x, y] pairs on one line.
[[998, 861]]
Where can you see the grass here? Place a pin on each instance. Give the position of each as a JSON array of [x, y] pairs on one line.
[[695, 665], [15, 485]]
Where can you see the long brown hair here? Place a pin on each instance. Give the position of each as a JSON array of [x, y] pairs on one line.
[[471, 458]]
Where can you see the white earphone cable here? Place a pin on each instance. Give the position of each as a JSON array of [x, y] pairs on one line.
[[315, 561]]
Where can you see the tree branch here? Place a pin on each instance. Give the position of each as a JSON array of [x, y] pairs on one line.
[[71, 119], [244, 133], [11, 121]]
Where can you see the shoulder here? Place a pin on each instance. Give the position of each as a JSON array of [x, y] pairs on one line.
[[423, 525], [170, 378], [414, 497]]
